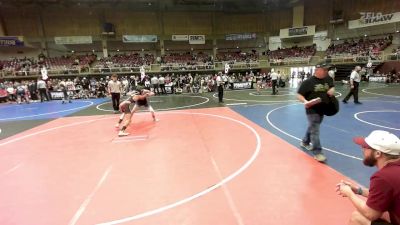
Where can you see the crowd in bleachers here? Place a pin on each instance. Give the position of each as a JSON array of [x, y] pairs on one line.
[[186, 61], [395, 54], [361, 47], [237, 56], [79, 63], [125, 61], [64, 64], [17, 66], [291, 55]]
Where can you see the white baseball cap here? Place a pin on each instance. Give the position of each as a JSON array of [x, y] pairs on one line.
[[380, 140]]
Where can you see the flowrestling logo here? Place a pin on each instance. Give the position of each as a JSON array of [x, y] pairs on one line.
[[371, 17]]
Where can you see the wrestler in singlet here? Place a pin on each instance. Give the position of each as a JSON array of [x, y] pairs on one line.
[[124, 107], [142, 102]]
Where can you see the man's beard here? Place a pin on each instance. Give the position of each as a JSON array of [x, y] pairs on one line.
[[370, 160]]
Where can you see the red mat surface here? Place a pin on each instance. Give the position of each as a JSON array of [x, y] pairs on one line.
[[76, 170]]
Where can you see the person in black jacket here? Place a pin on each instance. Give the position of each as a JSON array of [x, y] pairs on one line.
[[318, 86]]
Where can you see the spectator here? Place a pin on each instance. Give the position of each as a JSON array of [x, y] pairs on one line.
[[380, 149], [318, 86]]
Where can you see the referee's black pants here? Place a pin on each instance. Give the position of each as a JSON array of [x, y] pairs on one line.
[[115, 100], [221, 93], [274, 84], [354, 92]]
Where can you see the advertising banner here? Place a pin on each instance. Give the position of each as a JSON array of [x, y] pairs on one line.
[[197, 39], [241, 85], [11, 41], [240, 37], [69, 40], [368, 19], [139, 38], [180, 37]]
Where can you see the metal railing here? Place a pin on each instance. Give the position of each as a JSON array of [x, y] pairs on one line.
[[187, 67], [154, 68], [291, 61]]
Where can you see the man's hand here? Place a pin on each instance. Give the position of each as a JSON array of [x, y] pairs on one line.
[[331, 92], [305, 103], [354, 188], [352, 86], [344, 189]]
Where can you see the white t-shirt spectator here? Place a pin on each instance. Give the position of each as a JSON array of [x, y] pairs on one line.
[[70, 85], [125, 82], [147, 83], [161, 80], [43, 71], [154, 80], [224, 78], [10, 90]]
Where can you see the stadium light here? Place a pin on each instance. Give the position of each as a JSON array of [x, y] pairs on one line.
[[117, 50], [337, 39]]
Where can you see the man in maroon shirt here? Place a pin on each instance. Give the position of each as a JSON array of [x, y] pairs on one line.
[[380, 149]]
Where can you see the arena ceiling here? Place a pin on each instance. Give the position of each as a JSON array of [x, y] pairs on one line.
[[167, 5]]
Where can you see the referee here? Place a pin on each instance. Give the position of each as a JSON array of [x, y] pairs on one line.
[[114, 89], [355, 79], [274, 80], [220, 84]]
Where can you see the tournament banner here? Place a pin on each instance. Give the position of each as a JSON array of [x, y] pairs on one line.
[[368, 19], [56, 95], [139, 38], [298, 31], [240, 37], [11, 41], [180, 37], [71, 40], [168, 88], [295, 32], [241, 85], [197, 39]]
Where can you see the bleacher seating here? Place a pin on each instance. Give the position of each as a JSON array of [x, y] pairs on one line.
[[362, 47], [125, 60], [237, 56], [301, 54]]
